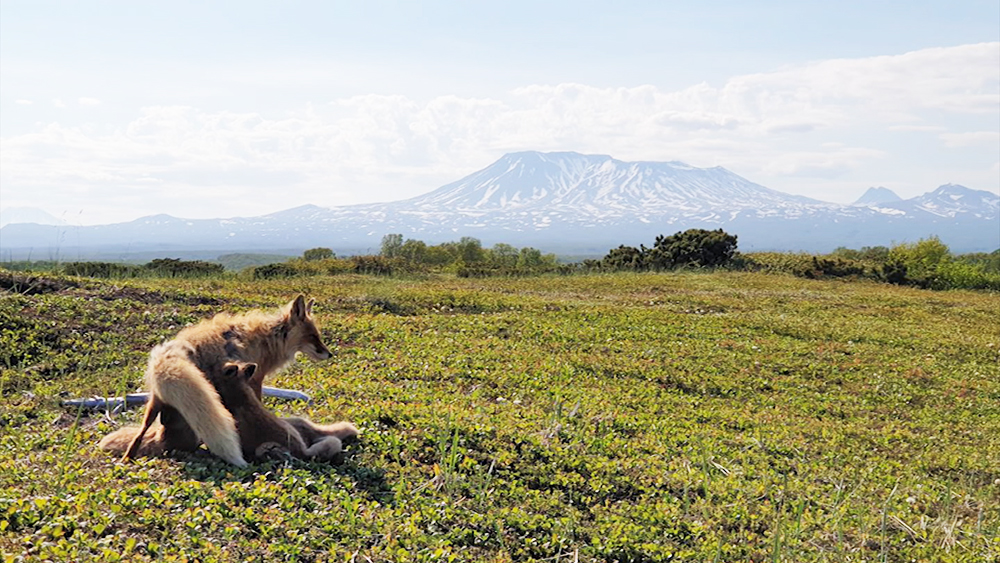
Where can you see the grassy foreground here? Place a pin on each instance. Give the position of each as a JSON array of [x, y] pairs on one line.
[[627, 417]]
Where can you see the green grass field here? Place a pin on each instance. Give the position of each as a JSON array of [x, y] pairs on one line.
[[626, 417]]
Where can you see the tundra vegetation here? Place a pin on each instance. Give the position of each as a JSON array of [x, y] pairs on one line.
[[927, 263], [653, 415]]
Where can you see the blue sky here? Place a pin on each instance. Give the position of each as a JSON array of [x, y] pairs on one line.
[[114, 110]]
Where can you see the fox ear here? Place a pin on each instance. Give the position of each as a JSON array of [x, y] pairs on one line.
[[229, 370], [249, 370], [298, 309], [309, 306]]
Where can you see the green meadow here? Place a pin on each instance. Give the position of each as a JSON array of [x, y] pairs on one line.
[[726, 416]]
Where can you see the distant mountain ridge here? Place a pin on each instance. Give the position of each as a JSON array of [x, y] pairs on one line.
[[562, 202], [11, 215], [952, 200]]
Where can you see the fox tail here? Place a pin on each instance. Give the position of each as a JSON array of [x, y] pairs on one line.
[[177, 382]]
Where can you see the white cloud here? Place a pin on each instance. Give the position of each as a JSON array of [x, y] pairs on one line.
[[89, 102], [22, 102], [791, 127], [918, 128], [970, 139], [960, 79], [831, 163], [818, 121]]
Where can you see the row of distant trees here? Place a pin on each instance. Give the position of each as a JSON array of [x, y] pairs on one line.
[[927, 263], [466, 252], [160, 267], [465, 257]]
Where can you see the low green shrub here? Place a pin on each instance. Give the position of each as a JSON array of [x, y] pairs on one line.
[[376, 265], [793, 263], [274, 271], [101, 270], [960, 275], [168, 267], [927, 264]]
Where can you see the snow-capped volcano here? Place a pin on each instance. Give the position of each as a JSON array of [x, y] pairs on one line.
[[876, 196], [598, 185], [559, 202]]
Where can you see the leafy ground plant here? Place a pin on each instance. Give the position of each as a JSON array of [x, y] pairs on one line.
[[728, 416]]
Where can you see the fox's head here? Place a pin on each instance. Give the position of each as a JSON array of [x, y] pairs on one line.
[[236, 371], [302, 334], [237, 383]]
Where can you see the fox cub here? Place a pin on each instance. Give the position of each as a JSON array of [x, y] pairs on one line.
[[262, 433]]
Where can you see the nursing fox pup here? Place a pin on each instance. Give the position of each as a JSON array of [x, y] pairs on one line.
[[262, 433], [183, 375]]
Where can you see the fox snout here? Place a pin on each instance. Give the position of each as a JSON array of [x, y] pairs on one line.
[[315, 349], [319, 352]]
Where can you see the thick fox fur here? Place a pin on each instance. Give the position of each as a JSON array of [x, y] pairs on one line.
[[261, 432], [183, 374]]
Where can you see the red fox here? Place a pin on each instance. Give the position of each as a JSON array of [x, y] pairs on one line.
[[172, 433], [182, 374], [261, 432]]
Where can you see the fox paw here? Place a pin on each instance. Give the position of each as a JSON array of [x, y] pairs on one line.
[[272, 450]]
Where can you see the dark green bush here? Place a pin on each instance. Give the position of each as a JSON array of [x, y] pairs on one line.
[[101, 270], [319, 253], [693, 248], [176, 267], [834, 267], [894, 272], [274, 271], [624, 258], [374, 265]]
